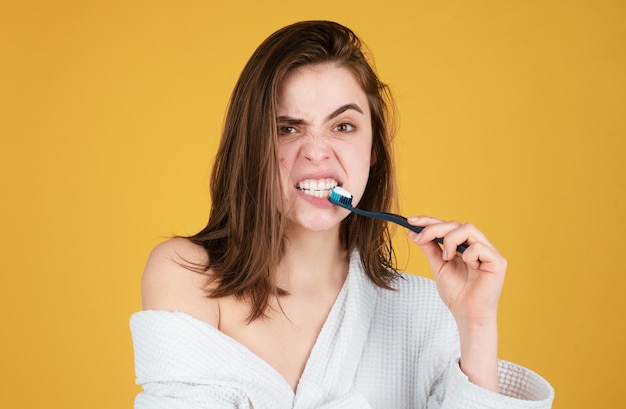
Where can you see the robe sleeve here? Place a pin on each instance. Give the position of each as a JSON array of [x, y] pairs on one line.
[[350, 401], [181, 395], [520, 388], [184, 363]]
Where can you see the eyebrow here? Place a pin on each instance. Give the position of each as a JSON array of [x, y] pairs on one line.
[[298, 121], [343, 109]]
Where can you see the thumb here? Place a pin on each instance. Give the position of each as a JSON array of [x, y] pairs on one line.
[[432, 251]]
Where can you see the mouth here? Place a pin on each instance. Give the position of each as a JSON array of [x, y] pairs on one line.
[[317, 187]]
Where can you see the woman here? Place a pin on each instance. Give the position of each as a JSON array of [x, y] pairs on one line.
[[285, 300]]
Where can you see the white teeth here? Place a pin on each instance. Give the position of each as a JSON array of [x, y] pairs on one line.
[[317, 188]]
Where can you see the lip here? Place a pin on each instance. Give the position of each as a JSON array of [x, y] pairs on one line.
[[321, 202]]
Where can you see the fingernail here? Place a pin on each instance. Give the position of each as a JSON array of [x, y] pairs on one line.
[[444, 255], [413, 219]]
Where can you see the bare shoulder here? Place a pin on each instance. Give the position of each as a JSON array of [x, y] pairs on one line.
[[170, 283]]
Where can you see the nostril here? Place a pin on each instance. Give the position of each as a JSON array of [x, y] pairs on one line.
[[315, 151]]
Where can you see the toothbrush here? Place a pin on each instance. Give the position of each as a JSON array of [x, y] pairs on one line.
[[343, 198]]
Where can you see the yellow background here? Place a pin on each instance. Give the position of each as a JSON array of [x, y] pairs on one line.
[[512, 116]]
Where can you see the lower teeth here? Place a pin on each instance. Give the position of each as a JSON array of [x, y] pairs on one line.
[[317, 193]]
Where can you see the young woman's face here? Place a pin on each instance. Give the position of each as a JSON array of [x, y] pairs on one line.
[[325, 140]]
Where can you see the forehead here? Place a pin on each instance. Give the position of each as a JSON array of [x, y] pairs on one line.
[[320, 85]]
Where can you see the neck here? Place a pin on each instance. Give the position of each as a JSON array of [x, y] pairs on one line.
[[313, 260]]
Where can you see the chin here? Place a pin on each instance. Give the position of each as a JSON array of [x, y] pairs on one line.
[[321, 223]]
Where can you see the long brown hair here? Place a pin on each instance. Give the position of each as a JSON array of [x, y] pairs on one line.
[[244, 237]]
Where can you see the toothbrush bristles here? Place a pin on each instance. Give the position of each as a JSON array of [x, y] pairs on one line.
[[340, 197]]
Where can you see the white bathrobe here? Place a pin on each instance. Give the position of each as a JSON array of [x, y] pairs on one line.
[[377, 349]]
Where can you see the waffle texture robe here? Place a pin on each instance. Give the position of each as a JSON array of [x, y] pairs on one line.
[[377, 349]]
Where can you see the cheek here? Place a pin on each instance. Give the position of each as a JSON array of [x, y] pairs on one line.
[[285, 155], [361, 162], [362, 156], [284, 169]]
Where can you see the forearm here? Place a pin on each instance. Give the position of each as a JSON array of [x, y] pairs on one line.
[[479, 353]]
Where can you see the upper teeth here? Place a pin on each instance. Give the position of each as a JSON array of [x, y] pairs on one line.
[[317, 188]]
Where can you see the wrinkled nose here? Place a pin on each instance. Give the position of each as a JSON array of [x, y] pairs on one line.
[[316, 149]]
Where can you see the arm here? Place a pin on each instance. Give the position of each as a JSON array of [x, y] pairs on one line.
[[470, 285]]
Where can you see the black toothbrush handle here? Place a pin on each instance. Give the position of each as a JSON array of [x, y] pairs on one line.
[[402, 221]]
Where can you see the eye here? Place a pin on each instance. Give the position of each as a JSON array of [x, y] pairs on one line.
[[345, 127], [286, 130]]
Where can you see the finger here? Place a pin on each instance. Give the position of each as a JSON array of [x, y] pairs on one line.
[[465, 234], [451, 235], [472, 256], [422, 221], [480, 256], [435, 231], [432, 251]]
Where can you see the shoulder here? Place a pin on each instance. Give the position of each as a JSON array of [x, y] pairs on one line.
[[171, 283]]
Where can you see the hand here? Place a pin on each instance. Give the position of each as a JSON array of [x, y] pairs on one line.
[[470, 283]]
